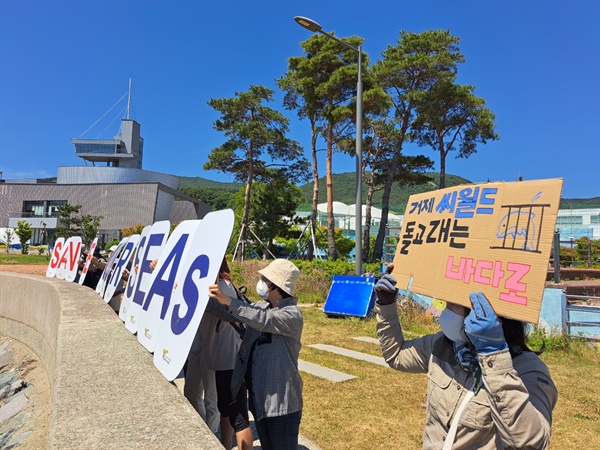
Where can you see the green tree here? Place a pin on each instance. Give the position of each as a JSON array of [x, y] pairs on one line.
[[407, 71], [130, 231], [587, 251], [450, 117], [299, 84], [321, 86], [343, 245], [379, 137], [254, 131], [9, 233], [24, 232], [68, 221], [273, 206], [89, 228], [73, 223]]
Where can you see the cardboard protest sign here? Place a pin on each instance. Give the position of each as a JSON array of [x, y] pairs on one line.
[[199, 268], [165, 275], [493, 238], [128, 294], [88, 261], [149, 249]]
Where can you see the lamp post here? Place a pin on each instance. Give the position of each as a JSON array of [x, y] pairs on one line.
[[313, 26]]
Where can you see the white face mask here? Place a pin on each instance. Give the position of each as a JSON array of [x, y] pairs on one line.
[[453, 326], [262, 289]]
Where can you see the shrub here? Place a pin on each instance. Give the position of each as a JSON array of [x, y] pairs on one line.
[[314, 282], [539, 340], [415, 318], [110, 244]]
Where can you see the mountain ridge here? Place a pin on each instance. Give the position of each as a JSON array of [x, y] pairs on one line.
[[344, 190]]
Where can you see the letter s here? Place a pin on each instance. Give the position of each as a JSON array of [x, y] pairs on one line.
[[190, 295]]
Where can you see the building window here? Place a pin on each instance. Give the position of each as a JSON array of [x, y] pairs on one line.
[[53, 207], [569, 220], [33, 209], [41, 208]]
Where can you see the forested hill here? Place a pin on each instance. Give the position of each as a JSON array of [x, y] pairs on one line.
[[344, 190], [579, 203], [203, 183]]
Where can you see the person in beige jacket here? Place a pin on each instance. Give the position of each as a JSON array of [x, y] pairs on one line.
[[486, 389]]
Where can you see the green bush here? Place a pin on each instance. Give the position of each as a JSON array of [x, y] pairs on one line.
[[315, 277], [41, 249], [110, 244], [539, 340]]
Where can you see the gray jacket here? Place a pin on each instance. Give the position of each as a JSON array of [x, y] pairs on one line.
[[275, 334], [513, 409]]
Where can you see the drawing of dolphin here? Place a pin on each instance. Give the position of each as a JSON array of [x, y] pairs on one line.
[[526, 228]]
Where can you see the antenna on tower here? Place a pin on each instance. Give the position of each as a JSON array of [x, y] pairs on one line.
[[129, 99]]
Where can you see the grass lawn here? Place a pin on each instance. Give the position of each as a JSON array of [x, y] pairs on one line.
[[382, 408], [18, 258]]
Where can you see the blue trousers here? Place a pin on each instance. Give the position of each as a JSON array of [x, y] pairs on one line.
[[279, 433]]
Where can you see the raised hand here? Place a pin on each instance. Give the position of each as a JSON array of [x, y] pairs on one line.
[[385, 288], [483, 327]]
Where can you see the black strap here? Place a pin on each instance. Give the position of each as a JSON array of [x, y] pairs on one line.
[[241, 294]]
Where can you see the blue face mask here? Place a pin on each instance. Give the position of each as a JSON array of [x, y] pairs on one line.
[[453, 326]]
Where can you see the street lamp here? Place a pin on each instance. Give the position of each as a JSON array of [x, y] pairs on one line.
[[313, 26]]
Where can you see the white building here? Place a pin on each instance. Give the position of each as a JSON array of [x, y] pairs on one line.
[[576, 223], [571, 223]]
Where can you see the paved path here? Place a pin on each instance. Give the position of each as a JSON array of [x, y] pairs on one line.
[[369, 340], [323, 372], [351, 354], [303, 442]]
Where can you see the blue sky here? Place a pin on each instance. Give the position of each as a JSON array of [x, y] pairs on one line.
[[63, 64]]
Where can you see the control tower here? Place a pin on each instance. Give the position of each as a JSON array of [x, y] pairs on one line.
[[126, 150]]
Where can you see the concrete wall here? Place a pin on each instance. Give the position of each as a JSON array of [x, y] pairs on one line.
[[121, 205], [108, 175], [552, 312], [106, 392]]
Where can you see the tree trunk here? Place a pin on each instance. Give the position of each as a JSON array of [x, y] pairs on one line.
[[315, 198], [442, 162], [245, 215], [332, 251], [385, 206], [385, 202], [367, 229]]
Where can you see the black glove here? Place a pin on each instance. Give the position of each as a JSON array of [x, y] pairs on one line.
[[386, 290]]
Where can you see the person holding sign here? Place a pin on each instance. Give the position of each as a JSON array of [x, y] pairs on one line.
[[199, 386], [220, 343], [486, 390], [97, 264], [268, 359]]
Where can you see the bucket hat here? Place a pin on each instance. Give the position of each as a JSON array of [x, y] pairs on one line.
[[283, 274]]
